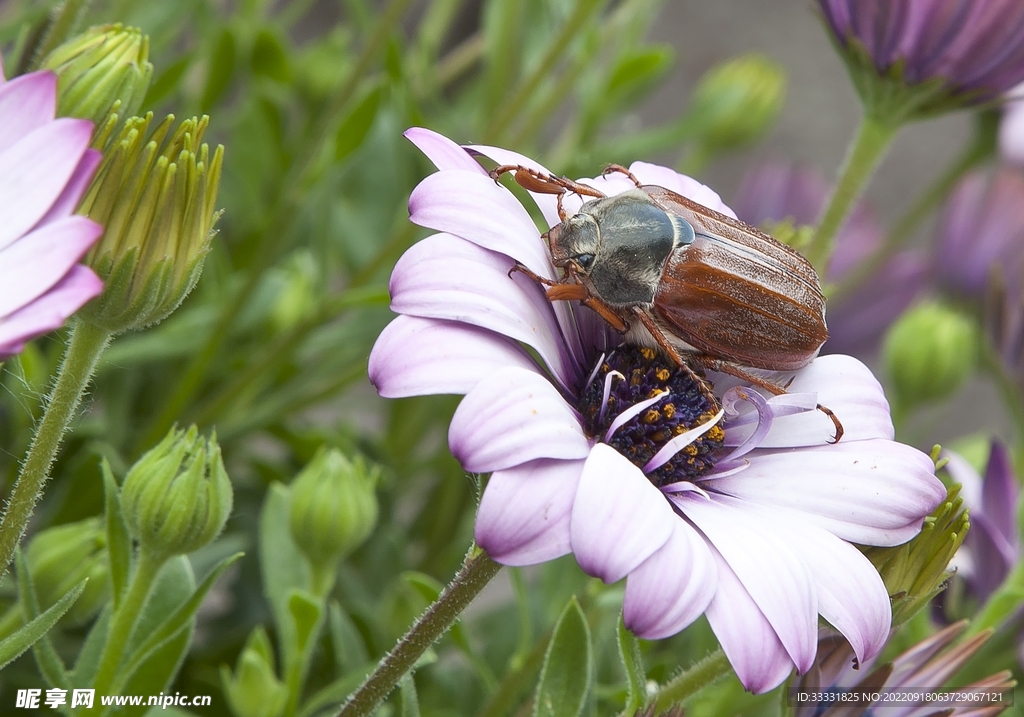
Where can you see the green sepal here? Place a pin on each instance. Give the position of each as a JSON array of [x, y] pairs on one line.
[[568, 667], [346, 642]]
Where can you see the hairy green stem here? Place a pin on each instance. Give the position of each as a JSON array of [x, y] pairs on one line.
[[476, 571], [83, 351], [707, 672], [124, 619], [866, 150], [973, 155]]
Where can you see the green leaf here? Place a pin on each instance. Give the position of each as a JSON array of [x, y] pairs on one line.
[[349, 649], [50, 664], [354, 128], [119, 543], [222, 66], [89, 655], [283, 567], [633, 666], [176, 621], [637, 71], [568, 664], [269, 57], [333, 694], [305, 612], [410, 700], [13, 645], [167, 81]]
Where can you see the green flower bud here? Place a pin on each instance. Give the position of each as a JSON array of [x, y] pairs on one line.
[[61, 557], [105, 66], [177, 497], [155, 193], [915, 572], [333, 507], [929, 353], [254, 689], [737, 101]]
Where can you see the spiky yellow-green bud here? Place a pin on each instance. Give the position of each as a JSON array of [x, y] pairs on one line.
[[61, 557], [155, 192], [736, 102], [104, 69]]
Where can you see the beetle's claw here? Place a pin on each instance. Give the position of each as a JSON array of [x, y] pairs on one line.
[[835, 422]]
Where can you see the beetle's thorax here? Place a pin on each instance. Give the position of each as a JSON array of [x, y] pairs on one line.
[[619, 246]]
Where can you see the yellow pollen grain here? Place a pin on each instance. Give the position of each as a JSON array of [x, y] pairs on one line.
[[716, 434], [662, 374], [669, 410], [652, 416], [676, 430], [653, 392], [690, 450], [647, 353]]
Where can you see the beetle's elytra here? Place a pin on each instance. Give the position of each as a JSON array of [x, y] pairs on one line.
[[669, 273]]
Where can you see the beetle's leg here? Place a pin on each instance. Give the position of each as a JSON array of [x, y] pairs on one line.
[[534, 181], [676, 357], [517, 267], [612, 168], [724, 367]]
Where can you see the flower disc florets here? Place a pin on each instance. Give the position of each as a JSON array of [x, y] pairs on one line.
[[630, 376]]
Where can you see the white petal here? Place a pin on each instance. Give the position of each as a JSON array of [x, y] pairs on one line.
[[619, 518]]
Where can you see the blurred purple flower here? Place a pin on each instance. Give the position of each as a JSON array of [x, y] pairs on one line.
[[981, 230], [45, 167], [745, 515], [1011, 128], [923, 669], [779, 191], [992, 546], [975, 48]]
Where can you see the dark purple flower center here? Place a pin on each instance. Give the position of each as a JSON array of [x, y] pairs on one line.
[[630, 375]]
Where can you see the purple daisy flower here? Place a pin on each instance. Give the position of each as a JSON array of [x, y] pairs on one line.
[[981, 230], [992, 547], [910, 686], [779, 191], [974, 49], [745, 514], [45, 167]]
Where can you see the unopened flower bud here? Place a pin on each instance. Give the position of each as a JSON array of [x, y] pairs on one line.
[[105, 66], [929, 353], [254, 689], [61, 557], [333, 507], [155, 193], [177, 497], [737, 101]]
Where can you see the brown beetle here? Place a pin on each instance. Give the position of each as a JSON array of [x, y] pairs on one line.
[[672, 274]]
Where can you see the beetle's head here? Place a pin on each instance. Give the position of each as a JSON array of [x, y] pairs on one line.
[[574, 242]]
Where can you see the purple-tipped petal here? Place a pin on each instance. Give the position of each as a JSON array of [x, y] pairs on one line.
[[34, 171], [848, 388], [525, 511], [547, 203], [440, 150], [754, 650], [672, 588], [26, 104], [68, 200], [772, 573], [512, 417], [445, 277], [1000, 493], [851, 594], [50, 311], [472, 206], [873, 492], [423, 357], [37, 261], [619, 518]]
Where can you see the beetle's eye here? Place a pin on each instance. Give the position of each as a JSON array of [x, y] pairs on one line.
[[585, 261]]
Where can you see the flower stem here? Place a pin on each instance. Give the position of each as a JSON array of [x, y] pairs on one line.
[[707, 672], [476, 571], [124, 619], [83, 351], [866, 150], [973, 155]]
